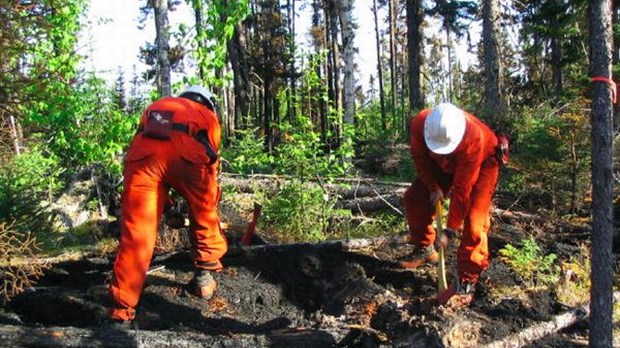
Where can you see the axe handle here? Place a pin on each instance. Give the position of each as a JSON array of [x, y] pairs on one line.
[[234, 227], [442, 283]]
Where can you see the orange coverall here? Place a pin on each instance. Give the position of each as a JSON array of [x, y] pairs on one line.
[[151, 168], [469, 177]]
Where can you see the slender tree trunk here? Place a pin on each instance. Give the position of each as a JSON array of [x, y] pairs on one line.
[[379, 69], [493, 109], [267, 113], [241, 73], [414, 47], [331, 20], [449, 49], [348, 36], [601, 296], [556, 57], [198, 5], [291, 92], [160, 8], [13, 125], [392, 23], [616, 59]]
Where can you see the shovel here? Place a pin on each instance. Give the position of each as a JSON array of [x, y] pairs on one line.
[[442, 283]]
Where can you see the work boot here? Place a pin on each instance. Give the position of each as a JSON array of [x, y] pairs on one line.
[[204, 284], [420, 256], [119, 324], [457, 295]]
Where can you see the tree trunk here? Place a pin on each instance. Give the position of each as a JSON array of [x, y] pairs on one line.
[[392, 20], [160, 8], [197, 5], [493, 109], [414, 47], [268, 113], [332, 34], [616, 59], [241, 76], [379, 69], [13, 125], [601, 325], [556, 56], [291, 91], [348, 35]]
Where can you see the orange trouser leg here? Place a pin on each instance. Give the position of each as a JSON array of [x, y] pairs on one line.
[[420, 213], [198, 185], [142, 206], [473, 253]]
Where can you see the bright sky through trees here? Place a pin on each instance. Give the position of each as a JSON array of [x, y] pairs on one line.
[[113, 39]]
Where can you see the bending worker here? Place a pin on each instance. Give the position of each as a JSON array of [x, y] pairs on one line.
[[455, 157], [176, 147]]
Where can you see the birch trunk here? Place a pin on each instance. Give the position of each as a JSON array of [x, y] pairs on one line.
[[348, 50], [160, 8]]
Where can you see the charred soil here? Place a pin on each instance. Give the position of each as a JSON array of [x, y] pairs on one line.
[[335, 293]]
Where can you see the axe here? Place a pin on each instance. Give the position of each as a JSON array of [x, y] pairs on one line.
[[442, 283], [249, 228]]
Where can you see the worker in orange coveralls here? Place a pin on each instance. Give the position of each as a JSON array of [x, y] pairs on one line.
[[176, 147], [455, 156]]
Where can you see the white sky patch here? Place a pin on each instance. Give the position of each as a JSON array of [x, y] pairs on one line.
[[112, 40]]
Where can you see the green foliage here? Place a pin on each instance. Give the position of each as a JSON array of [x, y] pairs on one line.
[[246, 153], [529, 264], [551, 156], [26, 183], [83, 125], [212, 36], [301, 153], [299, 213]]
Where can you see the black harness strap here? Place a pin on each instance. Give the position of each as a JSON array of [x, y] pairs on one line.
[[200, 136]]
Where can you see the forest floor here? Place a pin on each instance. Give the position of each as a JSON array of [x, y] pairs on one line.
[[345, 293]]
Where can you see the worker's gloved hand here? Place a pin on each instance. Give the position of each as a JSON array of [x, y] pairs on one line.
[[436, 196], [444, 237]]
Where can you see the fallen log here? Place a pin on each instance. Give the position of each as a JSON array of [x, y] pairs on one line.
[[364, 205], [541, 330], [355, 188], [545, 329]]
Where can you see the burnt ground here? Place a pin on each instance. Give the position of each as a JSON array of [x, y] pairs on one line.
[[338, 293]]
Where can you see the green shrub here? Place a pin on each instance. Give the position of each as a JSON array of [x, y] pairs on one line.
[[299, 213], [529, 264], [26, 182], [551, 156], [245, 153]]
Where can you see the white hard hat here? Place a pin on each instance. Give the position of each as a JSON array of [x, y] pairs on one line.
[[203, 92], [444, 128]]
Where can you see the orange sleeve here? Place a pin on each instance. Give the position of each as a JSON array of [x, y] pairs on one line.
[[420, 152], [467, 169]]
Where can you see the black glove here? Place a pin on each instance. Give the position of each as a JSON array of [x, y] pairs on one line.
[[444, 237]]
